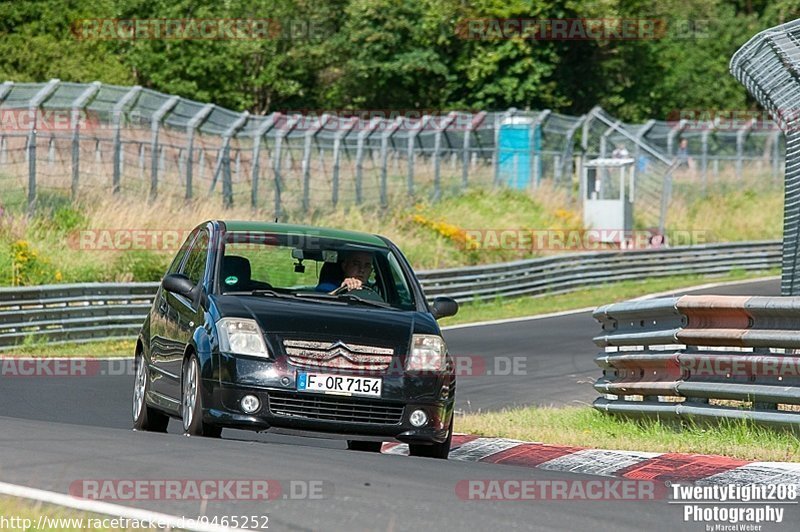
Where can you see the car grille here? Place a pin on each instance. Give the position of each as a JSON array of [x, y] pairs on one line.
[[334, 409], [338, 355]]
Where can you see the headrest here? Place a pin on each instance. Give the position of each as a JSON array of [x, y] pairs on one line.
[[331, 272], [235, 271]]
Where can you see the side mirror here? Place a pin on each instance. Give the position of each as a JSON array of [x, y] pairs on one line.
[[443, 307], [178, 284]]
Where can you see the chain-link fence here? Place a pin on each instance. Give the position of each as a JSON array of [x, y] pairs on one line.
[[769, 66], [138, 142]]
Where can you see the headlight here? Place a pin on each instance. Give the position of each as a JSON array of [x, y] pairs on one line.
[[241, 336], [427, 353]]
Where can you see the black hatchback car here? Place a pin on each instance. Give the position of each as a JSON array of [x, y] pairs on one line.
[[259, 325]]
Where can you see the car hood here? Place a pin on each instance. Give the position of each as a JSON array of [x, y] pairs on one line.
[[313, 320]]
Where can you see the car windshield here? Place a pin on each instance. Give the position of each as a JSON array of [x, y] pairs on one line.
[[314, 268]]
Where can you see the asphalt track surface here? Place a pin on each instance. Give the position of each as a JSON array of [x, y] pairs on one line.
[[55, 431]]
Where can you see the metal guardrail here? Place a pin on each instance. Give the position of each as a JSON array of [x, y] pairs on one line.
[[86, 312], [768, 65], [559, 274], [713, 357]]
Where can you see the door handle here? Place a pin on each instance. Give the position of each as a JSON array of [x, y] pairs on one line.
[[162, 306]]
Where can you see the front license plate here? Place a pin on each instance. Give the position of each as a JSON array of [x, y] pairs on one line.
[[338, 384]]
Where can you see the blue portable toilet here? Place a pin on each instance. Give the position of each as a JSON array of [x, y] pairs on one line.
[[518, 139]]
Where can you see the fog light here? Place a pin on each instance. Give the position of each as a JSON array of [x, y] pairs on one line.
[[418, 418], [250, 404]]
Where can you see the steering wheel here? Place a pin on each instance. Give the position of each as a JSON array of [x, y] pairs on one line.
[[343, 289]]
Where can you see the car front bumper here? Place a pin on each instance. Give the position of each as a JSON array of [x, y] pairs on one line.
[[336, 415]]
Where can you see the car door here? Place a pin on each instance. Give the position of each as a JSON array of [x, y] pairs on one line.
[[159, 314], [183, 316]]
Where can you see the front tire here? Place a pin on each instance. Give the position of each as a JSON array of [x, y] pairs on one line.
[[145, 417], [192, 402], [437, 450]]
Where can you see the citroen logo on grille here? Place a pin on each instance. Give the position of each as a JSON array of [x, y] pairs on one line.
[[338, 344]]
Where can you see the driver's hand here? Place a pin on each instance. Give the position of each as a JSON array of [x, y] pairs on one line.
[[352, 283]]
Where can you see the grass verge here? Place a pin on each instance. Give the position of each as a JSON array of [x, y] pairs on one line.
[[585, 427], [108, 348], [23, 514], [588, 297]]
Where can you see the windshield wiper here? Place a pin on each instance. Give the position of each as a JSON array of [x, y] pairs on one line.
[[346, 297], [351, 297], [271, 293], [323, 296]]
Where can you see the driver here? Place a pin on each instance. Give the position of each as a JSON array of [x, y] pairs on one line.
[[351, 273], [357, 268]]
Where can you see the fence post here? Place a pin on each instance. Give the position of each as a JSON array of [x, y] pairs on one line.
[[385, 138], [437, 146], [674, 132], [311, 135], [412, 137], [276, 162], [337, 144], [116, 116], [155, 124], [496, 151], [537, 127], [776, 154], [741, 135], [704, 154], [604, 138], [191, 127], [465, 148], [362, 136], [566, 161], [33, 107], [262, 130], [5, 88], [77, 105], [640, 135], [224, 161]]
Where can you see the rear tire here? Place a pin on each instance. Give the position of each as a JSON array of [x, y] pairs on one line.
[[145, 417], [365, 446], [192, 402], [437, 450]]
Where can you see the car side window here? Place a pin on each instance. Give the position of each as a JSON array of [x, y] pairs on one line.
[[184, 249], [196, 263]]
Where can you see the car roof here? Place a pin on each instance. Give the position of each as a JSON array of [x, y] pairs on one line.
[[295, 229]]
